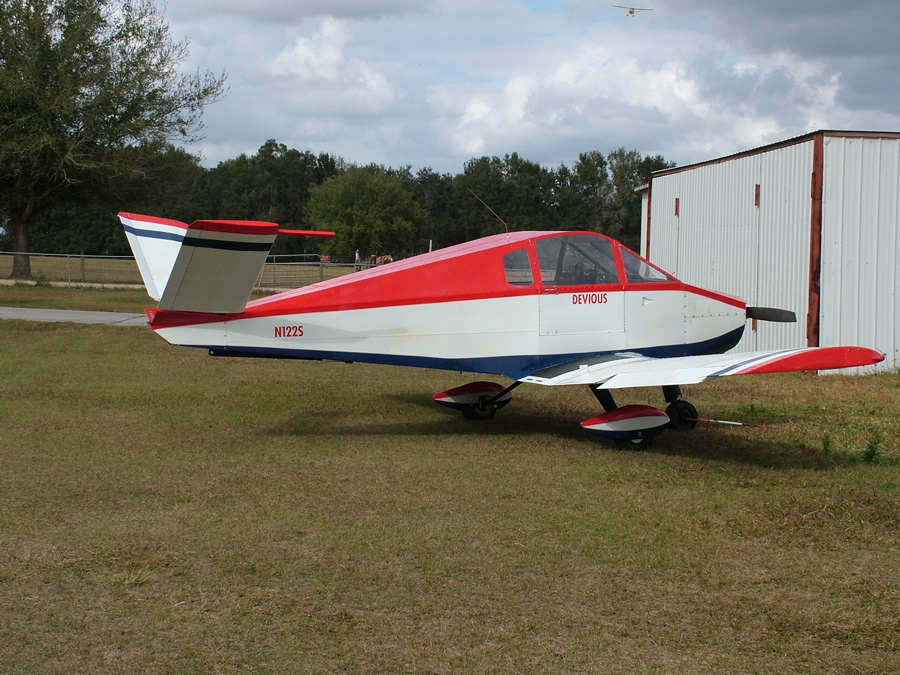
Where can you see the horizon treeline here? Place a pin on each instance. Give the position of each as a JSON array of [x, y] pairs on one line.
[[374, 210]]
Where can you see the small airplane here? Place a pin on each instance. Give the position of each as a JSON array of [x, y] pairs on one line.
[[549, 308], [632, 10]]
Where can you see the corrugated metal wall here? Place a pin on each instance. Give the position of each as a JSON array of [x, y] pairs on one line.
[[860, 283], [732, 236]]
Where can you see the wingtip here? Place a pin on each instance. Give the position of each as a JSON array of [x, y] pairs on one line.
[[819, 358]]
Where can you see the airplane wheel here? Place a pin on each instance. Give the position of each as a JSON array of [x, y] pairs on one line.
[[682, 415], [482, 411]]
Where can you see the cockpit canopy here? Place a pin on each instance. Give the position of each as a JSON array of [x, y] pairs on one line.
[[579, 260], [518, 263]]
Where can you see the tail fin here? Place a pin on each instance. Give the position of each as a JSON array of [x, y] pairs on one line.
[[207, 266]]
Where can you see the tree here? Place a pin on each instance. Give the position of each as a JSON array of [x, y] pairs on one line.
[[582, 192], [90, 94], [628, 170], [434, 193], [172, 185], [272, 185], [370, 210]]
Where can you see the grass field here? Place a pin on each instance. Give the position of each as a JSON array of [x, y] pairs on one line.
[[165, 511], [87, 298]]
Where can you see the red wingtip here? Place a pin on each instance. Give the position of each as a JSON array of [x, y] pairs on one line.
[[820, 358]]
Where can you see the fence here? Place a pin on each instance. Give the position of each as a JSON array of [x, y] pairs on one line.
[[279, 271], [293, 271], [77, 269]]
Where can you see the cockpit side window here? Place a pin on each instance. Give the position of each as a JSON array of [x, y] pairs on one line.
[[638, 270], [576, 259], [518, 268]]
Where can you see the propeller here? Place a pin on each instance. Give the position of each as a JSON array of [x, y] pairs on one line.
[[771, 314]]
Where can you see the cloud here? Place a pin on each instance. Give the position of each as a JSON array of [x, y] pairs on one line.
[[433, 84], [281, 12], [856, 39], [323, 79], [606, 95]]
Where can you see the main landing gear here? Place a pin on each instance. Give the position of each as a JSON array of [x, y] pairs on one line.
[[477, 400], [630, 426], [635, 425]]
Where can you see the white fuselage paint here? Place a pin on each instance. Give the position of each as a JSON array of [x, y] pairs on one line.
[[541, 325]]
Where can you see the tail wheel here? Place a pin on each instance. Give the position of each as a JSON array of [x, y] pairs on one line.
[[682, 415]]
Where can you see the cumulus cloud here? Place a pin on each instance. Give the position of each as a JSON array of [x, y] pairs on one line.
[[323, 78], [603, 96], [435, 83]]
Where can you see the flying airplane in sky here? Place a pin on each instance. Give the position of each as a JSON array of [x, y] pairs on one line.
[[632, 10], [549, 308]]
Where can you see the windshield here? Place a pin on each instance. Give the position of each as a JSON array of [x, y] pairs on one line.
[[576, 259], [638, 270]]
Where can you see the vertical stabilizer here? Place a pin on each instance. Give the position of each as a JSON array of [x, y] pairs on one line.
[[155, 243], [207, 266]]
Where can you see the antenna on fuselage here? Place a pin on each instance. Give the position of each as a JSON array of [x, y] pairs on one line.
[[491, 210]]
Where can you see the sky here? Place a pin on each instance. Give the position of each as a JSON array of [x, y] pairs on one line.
[[434, 83]]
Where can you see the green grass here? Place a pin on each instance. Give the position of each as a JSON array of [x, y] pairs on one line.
[[87, 298], [165, 511], [96, 298]]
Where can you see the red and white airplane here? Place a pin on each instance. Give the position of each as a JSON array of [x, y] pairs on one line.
[[550, 308]]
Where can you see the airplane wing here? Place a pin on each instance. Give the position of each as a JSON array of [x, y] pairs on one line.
[[618, 371]]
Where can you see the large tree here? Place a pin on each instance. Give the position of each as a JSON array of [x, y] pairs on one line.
[[90, 92], [371, 211]]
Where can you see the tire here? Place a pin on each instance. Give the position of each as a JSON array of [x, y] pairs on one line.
[[481, 411], [682, 415]]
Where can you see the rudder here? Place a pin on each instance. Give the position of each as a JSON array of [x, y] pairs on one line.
[[207, 266]]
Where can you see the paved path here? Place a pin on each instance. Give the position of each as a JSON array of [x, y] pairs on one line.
[[72, 316]]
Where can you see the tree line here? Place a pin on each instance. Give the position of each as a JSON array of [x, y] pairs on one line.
[[375, 210], [94, 109]]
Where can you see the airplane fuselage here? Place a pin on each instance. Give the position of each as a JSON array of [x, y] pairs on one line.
[[506, 304]]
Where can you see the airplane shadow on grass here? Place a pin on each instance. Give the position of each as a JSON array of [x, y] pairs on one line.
[[521, 419]]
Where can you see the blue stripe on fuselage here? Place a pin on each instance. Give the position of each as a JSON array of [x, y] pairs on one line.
[[513, 367]]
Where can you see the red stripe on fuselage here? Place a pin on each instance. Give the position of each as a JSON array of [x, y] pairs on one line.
[[732, 300], [321, 300]]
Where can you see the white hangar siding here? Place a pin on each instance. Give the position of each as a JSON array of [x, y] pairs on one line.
[[809, 224], [860, 284]]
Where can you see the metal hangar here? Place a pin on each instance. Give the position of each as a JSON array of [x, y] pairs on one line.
[[808, 224]]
